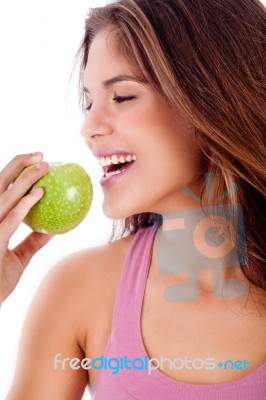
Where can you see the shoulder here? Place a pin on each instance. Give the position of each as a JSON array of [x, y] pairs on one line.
[[80, 284], [88, 266]]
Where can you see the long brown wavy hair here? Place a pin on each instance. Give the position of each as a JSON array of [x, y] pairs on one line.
[[207, 57]]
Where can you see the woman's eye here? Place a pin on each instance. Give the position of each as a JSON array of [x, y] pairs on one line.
[[121, 99], [117, 99]]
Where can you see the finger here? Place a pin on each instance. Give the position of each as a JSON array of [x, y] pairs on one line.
[[11, 197], [13, 219], [3, 249], [33, 243], [15, 166]]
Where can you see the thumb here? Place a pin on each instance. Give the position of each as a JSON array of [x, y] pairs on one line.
[[29, 246]]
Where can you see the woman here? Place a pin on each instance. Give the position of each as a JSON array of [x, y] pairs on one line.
[[174, 93]]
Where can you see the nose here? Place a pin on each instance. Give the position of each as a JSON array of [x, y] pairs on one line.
[[95, 125]]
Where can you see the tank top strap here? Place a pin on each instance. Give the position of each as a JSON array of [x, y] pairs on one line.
[[131, 287]]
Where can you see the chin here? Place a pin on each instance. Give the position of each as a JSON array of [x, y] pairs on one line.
[[114, 213], [119, 212]]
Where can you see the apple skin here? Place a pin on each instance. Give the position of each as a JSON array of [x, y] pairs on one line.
[[67, 198]]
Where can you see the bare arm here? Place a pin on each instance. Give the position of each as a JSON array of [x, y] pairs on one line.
[[51, 328]]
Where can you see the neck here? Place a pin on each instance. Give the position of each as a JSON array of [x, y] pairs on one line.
[[200, 247]]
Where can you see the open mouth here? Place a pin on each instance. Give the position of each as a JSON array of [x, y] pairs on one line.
[[116, 164]]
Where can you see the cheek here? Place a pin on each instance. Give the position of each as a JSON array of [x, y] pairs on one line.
[[176, 158], [183, 141]]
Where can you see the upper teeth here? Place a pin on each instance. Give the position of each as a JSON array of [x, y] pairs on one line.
[[105, 161]]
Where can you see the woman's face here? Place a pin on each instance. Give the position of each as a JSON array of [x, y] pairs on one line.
[[128, 118]]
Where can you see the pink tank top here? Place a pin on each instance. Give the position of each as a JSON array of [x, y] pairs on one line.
[[126, 340]]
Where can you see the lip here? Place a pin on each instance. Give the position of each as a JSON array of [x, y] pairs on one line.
[[113, 179], [110, 152]]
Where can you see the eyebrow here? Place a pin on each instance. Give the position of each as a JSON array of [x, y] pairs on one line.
[[119, 78]]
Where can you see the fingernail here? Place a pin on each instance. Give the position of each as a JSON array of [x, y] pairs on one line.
[[39, 165], [37, 153], [38, 191]]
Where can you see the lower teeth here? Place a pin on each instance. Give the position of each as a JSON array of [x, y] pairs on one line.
[[118, 171]]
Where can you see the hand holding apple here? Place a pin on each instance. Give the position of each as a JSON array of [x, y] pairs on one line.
[[15, 203], [64, 199]]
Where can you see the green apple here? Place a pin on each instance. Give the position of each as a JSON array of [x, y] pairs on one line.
[[66, 200]]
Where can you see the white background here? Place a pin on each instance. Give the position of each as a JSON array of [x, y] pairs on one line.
[[39, 112]]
